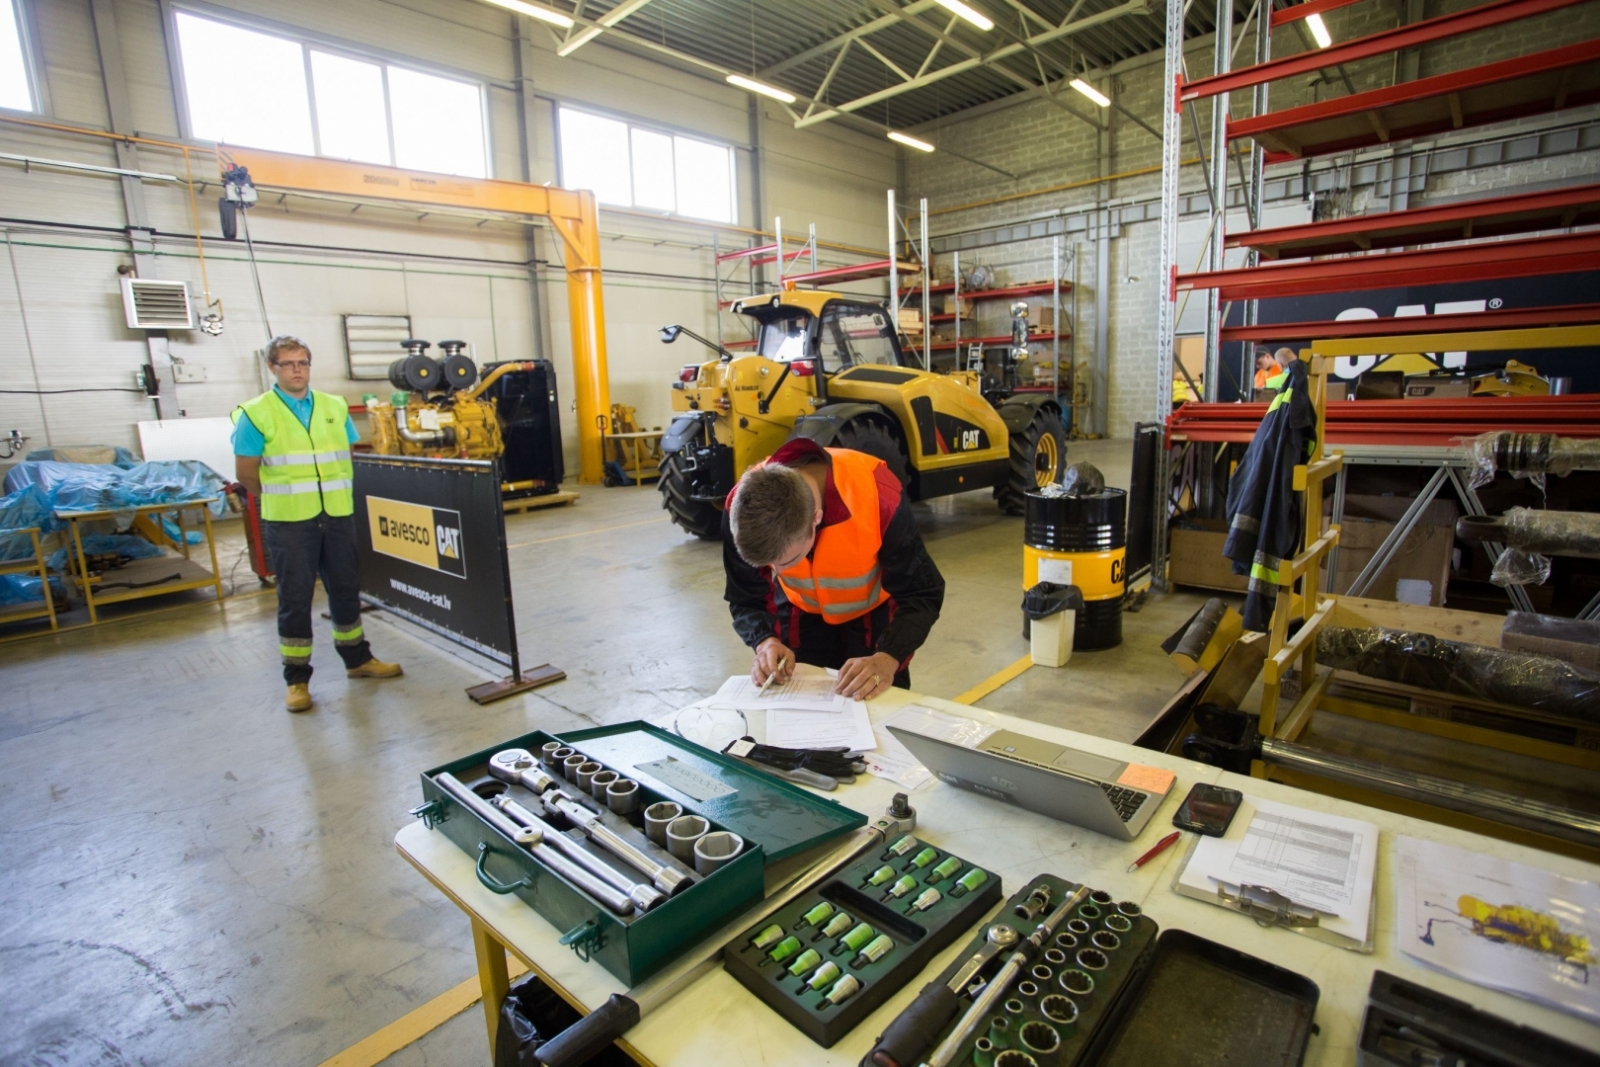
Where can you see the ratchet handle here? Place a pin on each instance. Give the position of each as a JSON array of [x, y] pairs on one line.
[[584, 1039], [908, 1036]]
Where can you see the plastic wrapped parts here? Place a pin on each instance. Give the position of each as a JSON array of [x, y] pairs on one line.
[[1518, 566], [1550, 533], [1531, 456], [1519, 679]]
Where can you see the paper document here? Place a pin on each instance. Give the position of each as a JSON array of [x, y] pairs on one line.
[[894, 761], [850, 729], [916, 719], [1319, 861], [1507, 926], [808, 689]]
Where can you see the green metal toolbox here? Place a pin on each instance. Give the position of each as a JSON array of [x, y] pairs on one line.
[[775, 819]]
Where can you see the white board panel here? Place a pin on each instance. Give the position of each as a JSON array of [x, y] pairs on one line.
[[208, 440]]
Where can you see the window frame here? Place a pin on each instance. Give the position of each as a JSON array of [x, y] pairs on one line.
[[32, 64], [310, 41], [632, 123]]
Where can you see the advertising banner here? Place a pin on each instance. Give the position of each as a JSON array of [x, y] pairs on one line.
[[431, 534]]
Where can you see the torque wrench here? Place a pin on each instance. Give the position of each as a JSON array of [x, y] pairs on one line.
[[907, 1037], [945, 1053], [576, 1044], [644, 897], [665, 878], [517, 765], [547, 855]]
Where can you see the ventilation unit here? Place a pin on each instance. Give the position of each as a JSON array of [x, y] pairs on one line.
[[157, 305]]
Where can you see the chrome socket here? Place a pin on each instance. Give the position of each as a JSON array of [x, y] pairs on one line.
[[1078, 983], [682, 835], [598, 784], [570, 764], [585, 774], [715, 850], [1060, 1010], [656, 818], [1105, 940], [622, 796], [1041, 1041]]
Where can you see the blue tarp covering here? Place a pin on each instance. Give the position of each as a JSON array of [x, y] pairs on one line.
[[35, 489], [20, 589], [125, 545]]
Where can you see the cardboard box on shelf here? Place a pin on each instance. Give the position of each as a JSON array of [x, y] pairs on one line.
[[910, 318], [1197, 559], [1042, 318], [1338, 390], [1429, 386]]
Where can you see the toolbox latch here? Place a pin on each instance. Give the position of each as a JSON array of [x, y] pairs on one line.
[[431, 813], [585, 939]]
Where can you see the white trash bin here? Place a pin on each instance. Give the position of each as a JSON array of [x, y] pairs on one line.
[[1050, 639]]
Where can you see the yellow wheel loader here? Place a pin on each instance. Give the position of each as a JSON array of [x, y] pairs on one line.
[[830, 367]]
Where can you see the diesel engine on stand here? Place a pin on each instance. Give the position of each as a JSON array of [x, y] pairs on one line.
[[443, 409]]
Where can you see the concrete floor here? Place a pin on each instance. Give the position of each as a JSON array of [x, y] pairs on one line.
[[192, 875]]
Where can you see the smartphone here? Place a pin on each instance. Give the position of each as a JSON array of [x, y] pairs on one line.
[[1208, 809]]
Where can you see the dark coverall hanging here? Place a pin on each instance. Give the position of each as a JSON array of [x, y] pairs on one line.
[[1263, 509]]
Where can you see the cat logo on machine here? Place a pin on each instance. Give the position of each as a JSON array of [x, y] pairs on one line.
[[1116, 571], [428, 537], [968, 441]]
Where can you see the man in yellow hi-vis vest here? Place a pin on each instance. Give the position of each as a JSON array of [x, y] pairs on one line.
[[291, 448]]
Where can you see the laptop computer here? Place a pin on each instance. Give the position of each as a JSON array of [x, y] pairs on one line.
[[1064, 783]]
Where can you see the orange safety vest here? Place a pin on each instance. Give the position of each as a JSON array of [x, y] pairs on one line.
[[841, 579], [1266, 373]]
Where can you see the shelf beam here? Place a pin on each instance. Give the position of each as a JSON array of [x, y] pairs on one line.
[[1565, 315]]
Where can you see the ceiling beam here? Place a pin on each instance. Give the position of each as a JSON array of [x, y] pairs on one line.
[[880, 23], [605, 22], [991, 59]]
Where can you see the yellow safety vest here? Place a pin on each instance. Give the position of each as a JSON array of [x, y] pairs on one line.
[[304, 472]]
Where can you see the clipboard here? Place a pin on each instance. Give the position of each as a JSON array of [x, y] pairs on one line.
[[1271, 908]]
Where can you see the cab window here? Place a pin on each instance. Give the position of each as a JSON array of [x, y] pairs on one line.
[[856, 335], [784, 337]]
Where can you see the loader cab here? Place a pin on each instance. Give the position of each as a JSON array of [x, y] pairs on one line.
[[845, 333]]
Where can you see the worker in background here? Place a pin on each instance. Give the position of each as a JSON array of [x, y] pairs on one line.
[[1267, 368], [291, 448], [825, 566]]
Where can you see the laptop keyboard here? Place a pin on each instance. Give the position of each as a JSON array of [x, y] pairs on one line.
[[1126, 801]]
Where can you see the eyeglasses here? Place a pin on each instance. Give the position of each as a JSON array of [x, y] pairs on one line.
[[295, 364]]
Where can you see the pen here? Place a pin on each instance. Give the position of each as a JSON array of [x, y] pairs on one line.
[[763, 690], [1160, 847]]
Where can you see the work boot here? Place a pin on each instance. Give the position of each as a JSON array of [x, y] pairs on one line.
[[299, 698], [376, 668]]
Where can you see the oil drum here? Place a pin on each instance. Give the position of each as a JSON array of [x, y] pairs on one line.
[[1081, 541]]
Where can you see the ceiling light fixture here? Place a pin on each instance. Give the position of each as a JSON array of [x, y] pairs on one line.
[[1319, 30], [978, 19], [543, 14], [1091, 92], [909, 141], [761, 87]]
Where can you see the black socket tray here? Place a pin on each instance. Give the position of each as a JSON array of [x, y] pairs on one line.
[[1113, 973], [917, 939]]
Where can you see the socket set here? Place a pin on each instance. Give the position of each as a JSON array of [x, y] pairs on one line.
[[834, 954], [1021, 995]]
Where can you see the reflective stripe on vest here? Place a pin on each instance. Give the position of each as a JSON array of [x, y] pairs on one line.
[[305, 472], [841, 580]]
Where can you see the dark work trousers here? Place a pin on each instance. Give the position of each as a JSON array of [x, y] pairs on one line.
[[301, 552], [824, 644]]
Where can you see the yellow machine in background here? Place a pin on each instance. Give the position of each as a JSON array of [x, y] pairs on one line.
[[829, 367]]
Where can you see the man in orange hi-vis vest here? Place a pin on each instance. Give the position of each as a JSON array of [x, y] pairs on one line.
[[825, 566]]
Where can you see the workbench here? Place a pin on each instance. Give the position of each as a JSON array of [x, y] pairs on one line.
[[144, 577], [717, 1021]]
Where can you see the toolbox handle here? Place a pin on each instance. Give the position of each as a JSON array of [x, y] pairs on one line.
[[490, 882]]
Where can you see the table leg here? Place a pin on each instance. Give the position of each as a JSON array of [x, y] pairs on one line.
[[492, 976], [83, 569]]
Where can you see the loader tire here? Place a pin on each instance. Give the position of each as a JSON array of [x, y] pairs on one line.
[[1038, 456], [869, 436], [699, 517]]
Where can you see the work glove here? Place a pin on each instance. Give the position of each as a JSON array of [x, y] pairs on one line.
[[833, 762]]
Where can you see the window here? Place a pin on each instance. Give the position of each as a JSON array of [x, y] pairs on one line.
[[631, 166], [259, 90], [852, 336], [16, 89]]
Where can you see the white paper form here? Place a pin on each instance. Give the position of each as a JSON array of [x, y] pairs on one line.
[[1507, 926], [850, 729], [894, 761], [1319, 861], [808, 689]]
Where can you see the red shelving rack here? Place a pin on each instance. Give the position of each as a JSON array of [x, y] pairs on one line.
[[1520, 318]]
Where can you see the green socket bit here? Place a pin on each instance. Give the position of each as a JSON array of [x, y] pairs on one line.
[[823, 975], [804, 962], [767, 937], [905, 885], [876, 949], [881, 875], [1000, 1032], [836, 926], [782, 951], [905, 844], [983, 1053], [945, 870], [969, 882], [843, 990], [816, 916], [855, 939], [925, 900], [923, 858]]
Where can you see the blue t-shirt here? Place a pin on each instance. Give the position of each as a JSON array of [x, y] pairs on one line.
[[247, 440]]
